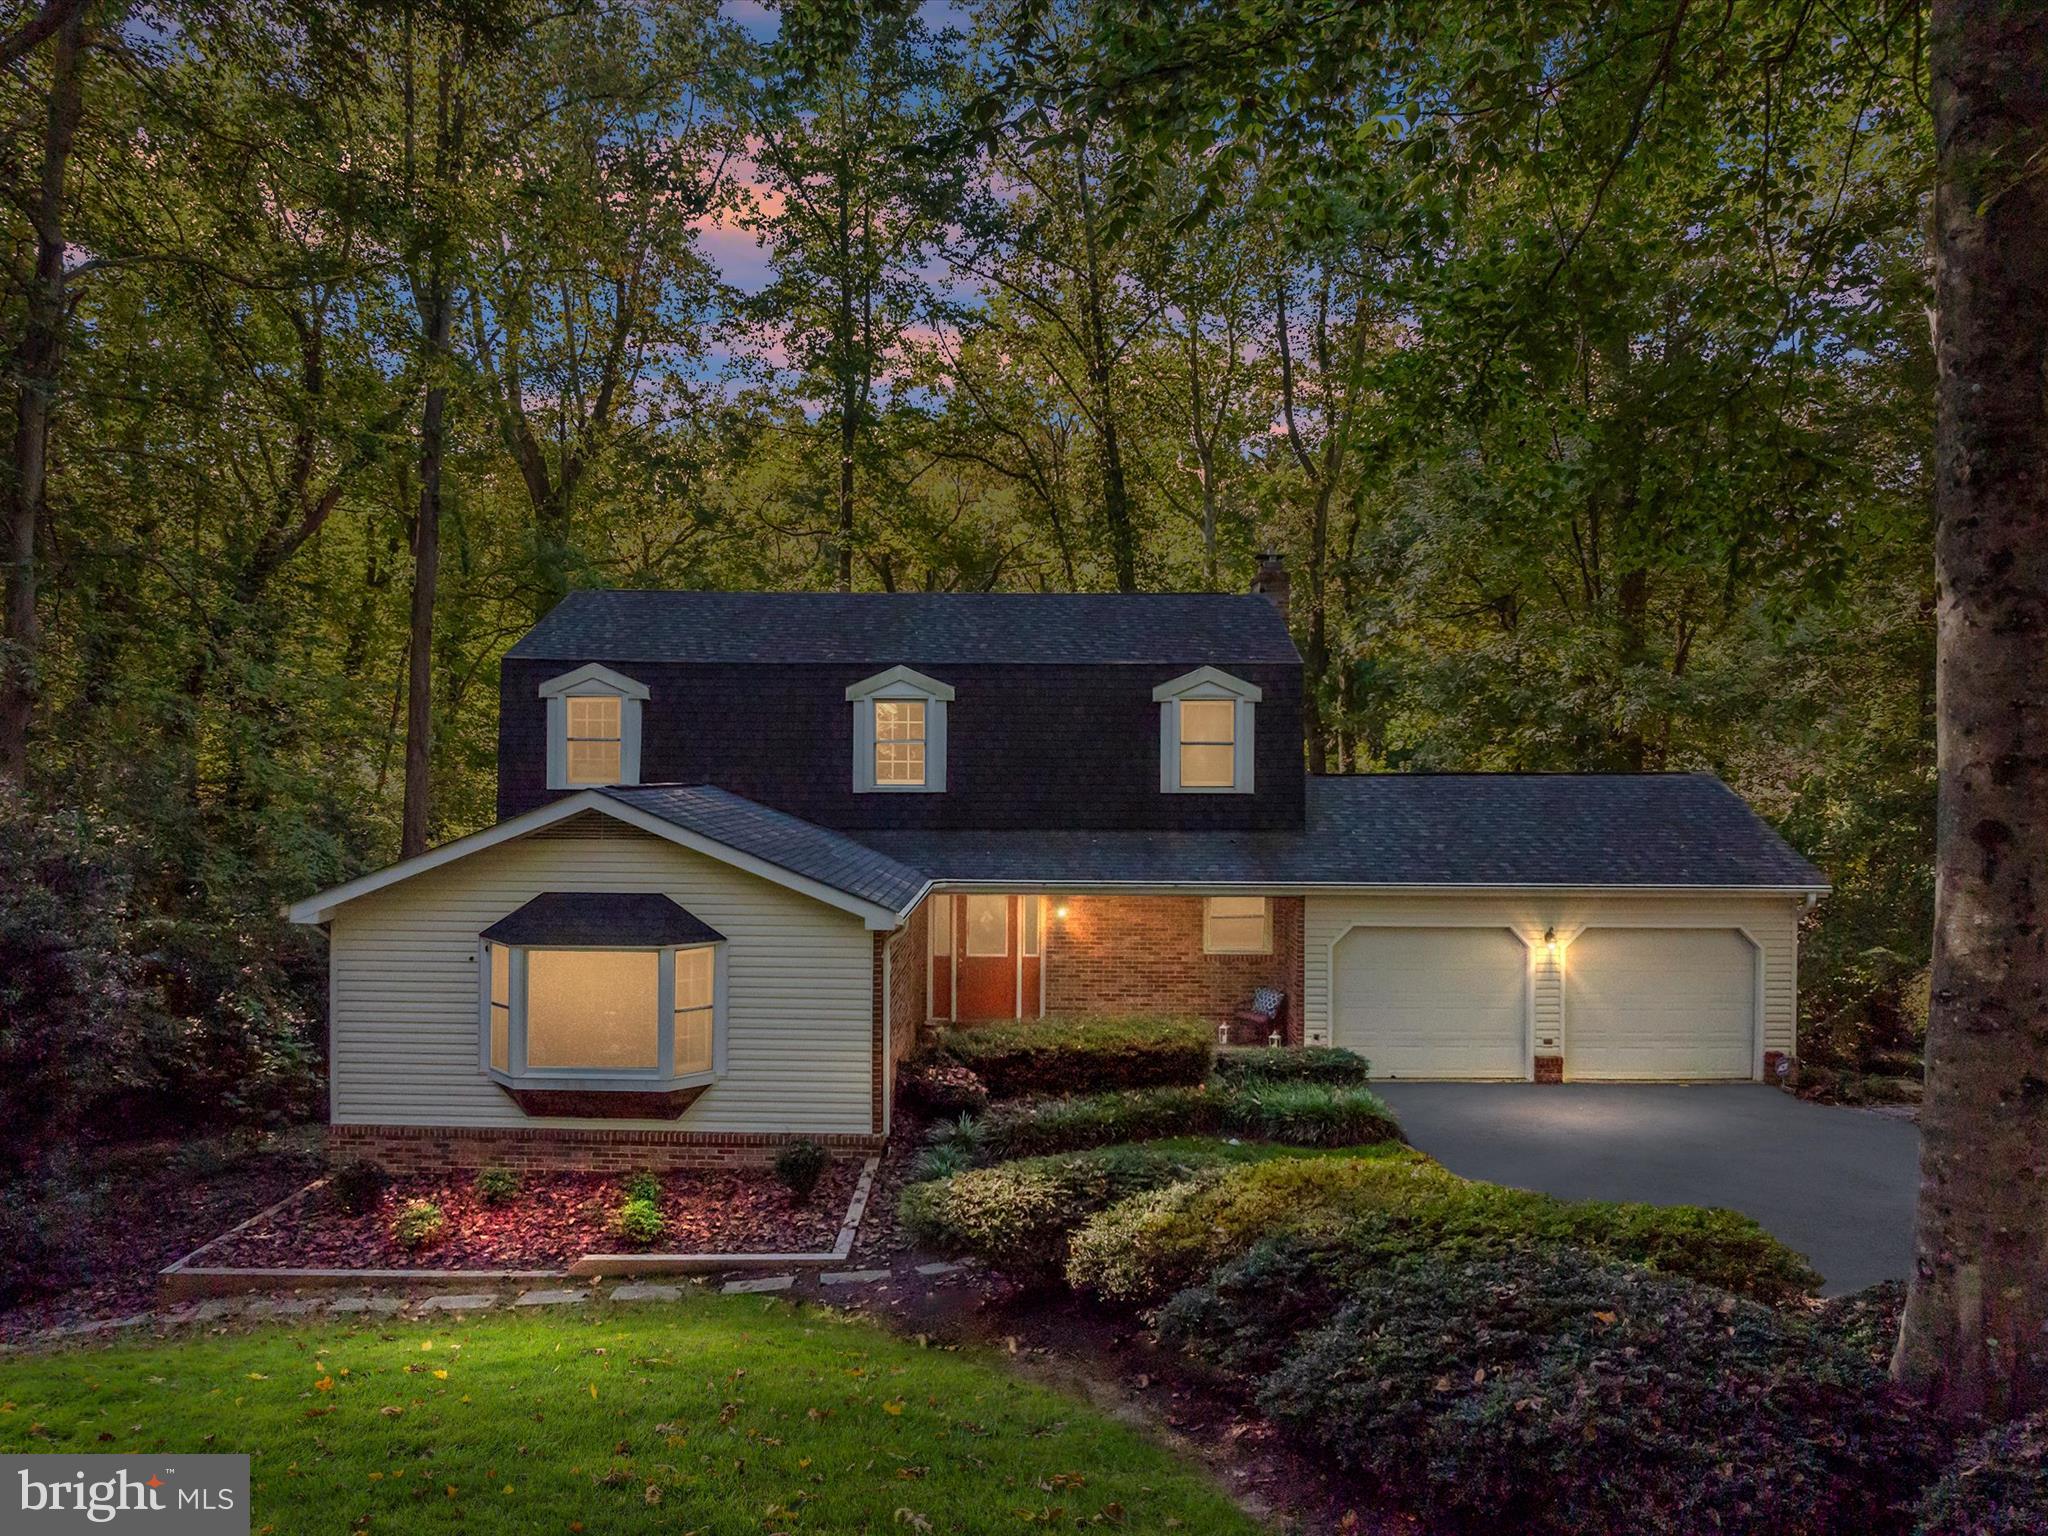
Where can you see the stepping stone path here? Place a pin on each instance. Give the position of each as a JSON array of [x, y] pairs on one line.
[[463, 1303], [855, 1277], [766, 1283], [931, 1270], [344, 1305], [550, 1298], [642, 1292]]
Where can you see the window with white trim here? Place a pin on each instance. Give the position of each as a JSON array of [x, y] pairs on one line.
[[596, 1016], [593, 728], [988, 926], [1237, 925], [899, 733], [1206, 723], [1030, 924]]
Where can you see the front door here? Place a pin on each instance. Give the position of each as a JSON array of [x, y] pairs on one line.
[[986, 941]]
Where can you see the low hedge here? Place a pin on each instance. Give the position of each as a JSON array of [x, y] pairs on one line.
[[1292, 1063], [1553, 1393], [1296, 1114], [1369, 1212], [1083, 1055], [1017, 1216], [1997, 1486]]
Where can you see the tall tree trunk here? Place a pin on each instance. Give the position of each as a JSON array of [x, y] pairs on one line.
[[39, 367], [1116, 498], [1975, 1335]]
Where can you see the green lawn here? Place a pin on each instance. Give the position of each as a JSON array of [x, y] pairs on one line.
[[716, 1414]]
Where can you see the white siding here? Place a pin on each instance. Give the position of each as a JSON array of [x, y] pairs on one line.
[[404, 989], [1771, 921]]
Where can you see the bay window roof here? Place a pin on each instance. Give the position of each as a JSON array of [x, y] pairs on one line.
[[610, 919]]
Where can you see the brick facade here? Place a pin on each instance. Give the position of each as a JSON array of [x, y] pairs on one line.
[[433, 1149], [909, 961], [1143, 954]]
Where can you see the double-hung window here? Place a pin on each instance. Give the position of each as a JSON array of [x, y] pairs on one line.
[[1206, 722], [593, 728], [899, 733], [1237, 925]]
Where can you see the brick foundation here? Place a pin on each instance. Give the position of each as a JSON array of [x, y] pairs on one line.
[[1549, 1069], [1143, 954], [432, 1149]]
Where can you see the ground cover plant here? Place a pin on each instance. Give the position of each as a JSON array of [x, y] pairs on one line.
[[1292, 1063], [1017, 1216], [716, 1414], [1297, 1113], [1996, 1486], [1364, 1212], [1551, 1392], [1082, 1054], [551, 1220]]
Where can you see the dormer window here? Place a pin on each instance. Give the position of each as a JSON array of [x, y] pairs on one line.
[[593, 728], [1206, 722], [899, 733]]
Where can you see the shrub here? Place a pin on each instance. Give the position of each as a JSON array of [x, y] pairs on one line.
[[357, 1185], [1292, 1064], [800, 1165], [497, 1186], [1997, 1486], [942, 1088], [1554, 1393], [643, 1187], [1297, 1114], [640, 1222], [1371, 1211], [1078, 1055], [418, 1224], [1016, 1216]]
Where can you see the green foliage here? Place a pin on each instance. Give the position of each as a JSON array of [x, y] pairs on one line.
[[1997, 1486], [497, 1186], [1367, 1213], [941, 1088], [643, 1186], [1552, 1393], [1299, 1114], [419, 1224], [1017, 1216], [358, 1185], [1292, 1063], [639, 1221], [800, 1165], [1083, 1054]]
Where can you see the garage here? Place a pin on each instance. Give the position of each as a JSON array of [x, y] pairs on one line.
[[1660, 1003], [1433, 1002]]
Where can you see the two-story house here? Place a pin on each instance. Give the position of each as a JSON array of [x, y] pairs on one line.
[[750, 844]]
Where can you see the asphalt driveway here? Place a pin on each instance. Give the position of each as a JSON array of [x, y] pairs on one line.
[[1836, 1184]]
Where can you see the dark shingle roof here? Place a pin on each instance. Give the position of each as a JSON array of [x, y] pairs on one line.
[[909, 628], [1649, 830], [788, 842], [585, 918]]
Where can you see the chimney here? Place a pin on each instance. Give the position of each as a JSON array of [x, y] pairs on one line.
[[1272, 582]]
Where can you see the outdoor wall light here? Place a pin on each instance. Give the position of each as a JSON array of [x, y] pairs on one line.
[[1551, 945], [1060, 911]]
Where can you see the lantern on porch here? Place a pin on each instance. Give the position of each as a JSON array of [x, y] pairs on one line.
[[1223, 1033], [1273, 1038]]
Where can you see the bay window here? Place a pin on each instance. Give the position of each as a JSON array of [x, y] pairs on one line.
[[597, 991]]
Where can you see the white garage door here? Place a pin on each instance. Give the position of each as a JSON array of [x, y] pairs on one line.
[[1433, 1002], [1660, 1003]]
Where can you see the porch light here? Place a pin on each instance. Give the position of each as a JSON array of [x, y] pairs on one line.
[[1551, 946], [1060, 911]]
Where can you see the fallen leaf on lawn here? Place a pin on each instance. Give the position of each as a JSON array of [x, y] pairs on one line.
[[894, 1408], [451, 1490], [1603, 1317], [593, 1391], [440, 1375], [913, 1519], [651, 1493], [324, 1384], [391, 1410], [258, 1376]]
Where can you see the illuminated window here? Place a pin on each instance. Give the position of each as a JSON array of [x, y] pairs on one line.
[[1206, 720], [1237, 925], [695, 991], [593, 1008], [1208, 743], [942, 926], [1030, 918], [988, 926], [899, 733], [501, 1005], [899, 743], [593, 728], [594, 739]]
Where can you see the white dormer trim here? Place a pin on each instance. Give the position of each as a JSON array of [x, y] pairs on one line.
[[593, 681], [899, 683], [1207, 683]]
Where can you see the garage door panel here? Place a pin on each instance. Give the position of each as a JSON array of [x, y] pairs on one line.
[[1433, 1002], [1673, 1003]]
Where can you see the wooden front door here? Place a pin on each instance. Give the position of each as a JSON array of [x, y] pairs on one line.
[[985, 949]]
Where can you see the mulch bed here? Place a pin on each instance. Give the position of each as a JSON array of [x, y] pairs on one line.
[[555, 1219]]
